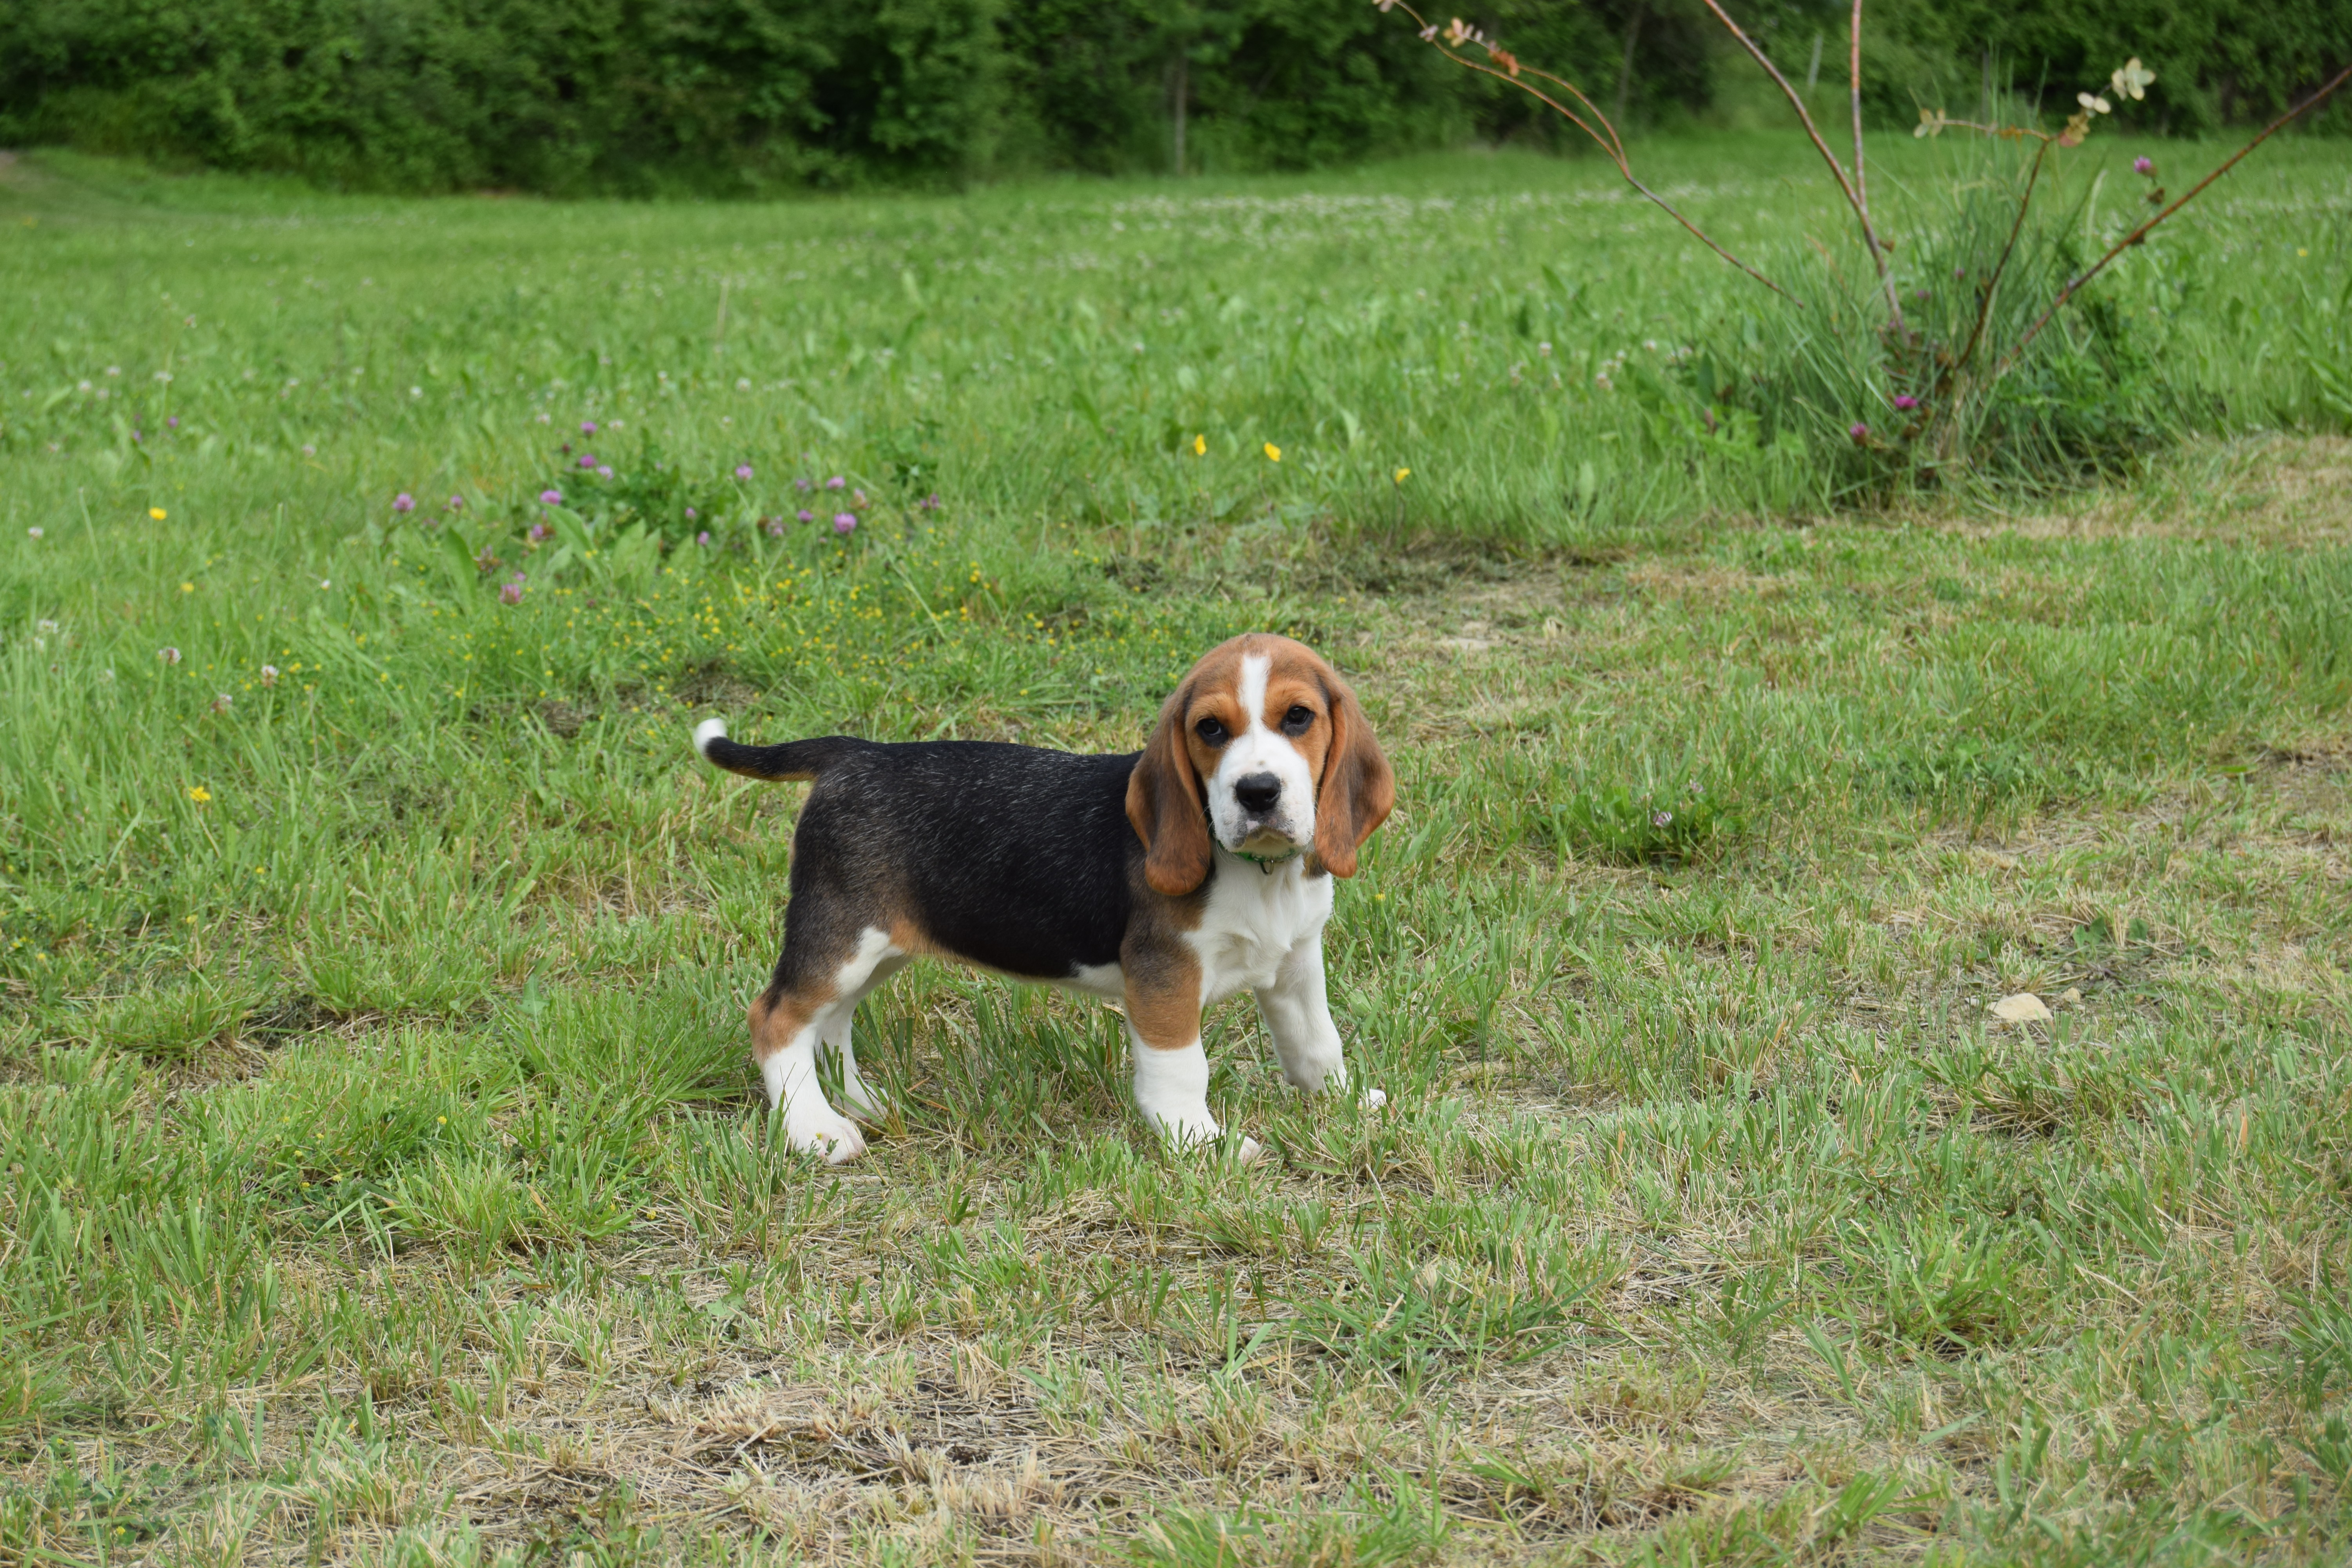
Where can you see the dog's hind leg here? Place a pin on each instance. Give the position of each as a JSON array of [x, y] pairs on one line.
[[867, 1101], [799, 1010]]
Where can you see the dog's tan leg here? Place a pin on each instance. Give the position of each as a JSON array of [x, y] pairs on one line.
[[786, 1030], [1171, 1067]]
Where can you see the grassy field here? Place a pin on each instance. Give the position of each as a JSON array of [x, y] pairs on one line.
[[383, 1170]]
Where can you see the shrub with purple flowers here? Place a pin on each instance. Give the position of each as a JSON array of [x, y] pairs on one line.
[[645, 488], [1994, 390]]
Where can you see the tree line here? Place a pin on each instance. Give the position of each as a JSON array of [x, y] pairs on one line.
[[750, 97]]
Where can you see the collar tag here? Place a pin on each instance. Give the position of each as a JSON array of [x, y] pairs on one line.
[[1266, 863]]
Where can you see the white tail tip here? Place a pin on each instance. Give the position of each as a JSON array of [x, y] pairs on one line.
[[709, 730]]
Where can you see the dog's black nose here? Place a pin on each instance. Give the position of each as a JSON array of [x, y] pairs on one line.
[[1257, 793]]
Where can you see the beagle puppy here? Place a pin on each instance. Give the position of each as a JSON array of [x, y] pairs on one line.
[[1166, 880]]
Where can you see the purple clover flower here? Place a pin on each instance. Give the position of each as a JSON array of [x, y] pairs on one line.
[[587, 459], [173, 423], [511, 593], [540, 534], [689, 515], [806, 515], [801, 483], [703, 538], [742, 470], [404, 501], [2143, 166], [844, 521], [551, 498], [587, 427], [456, 503], [836, 482], [1906, 402], [928, 503], [605, 471], [1860, 432]]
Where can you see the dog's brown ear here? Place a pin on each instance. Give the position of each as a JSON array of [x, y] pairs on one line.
[[1163, 803], [1358, 791]]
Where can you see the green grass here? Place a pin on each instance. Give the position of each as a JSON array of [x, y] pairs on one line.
[[383, 1170]]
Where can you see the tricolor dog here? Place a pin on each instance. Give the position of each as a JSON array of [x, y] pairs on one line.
[[1167, 880]]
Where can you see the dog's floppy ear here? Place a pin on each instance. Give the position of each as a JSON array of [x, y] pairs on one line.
[[1163, 803], [1358, 790]]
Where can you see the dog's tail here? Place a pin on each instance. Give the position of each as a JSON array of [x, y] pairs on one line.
[[794, 762]]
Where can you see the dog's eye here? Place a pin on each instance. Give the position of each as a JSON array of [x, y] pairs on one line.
[[1298, 720], [1212, 731]]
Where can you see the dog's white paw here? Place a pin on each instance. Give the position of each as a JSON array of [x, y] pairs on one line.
[[826, 1132], [1371, 1099], [1250, 1152]]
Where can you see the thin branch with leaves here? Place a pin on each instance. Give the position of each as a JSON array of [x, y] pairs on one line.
[[2075, 285], [1508, 70]]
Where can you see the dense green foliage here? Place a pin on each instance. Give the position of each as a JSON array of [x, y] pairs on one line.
[[739, 97]]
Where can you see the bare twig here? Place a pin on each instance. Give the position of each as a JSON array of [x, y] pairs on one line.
[[1603, 132], [1624, 169], [1850, 187], [1984, 306], [2135, 236], [1861, 184], [1804, 117]]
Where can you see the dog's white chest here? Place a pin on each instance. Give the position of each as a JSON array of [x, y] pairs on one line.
[[1253, 922]]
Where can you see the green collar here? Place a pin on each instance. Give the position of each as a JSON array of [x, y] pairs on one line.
[[1266, 863]]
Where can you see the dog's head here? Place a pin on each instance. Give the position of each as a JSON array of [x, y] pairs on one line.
[[1264, 747]]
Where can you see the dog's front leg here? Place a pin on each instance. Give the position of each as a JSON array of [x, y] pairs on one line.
[[1172, 1089], [1163, 1026], [1297, 1013]]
